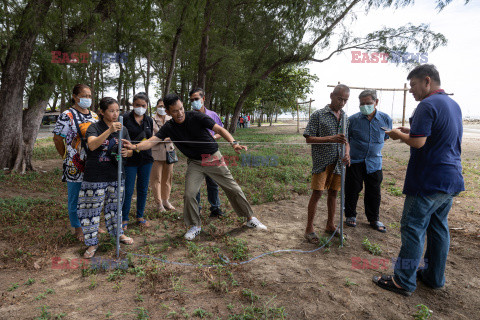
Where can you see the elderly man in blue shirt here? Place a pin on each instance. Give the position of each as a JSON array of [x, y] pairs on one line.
[[366, 138]]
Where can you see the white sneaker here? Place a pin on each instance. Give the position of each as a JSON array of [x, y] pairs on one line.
[[193, 232], [254, 223]]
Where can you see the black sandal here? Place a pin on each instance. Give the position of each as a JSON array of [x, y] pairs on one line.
[[351, 222], [386, 282], [377, 225]]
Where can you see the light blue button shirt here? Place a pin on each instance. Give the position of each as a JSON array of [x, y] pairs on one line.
[[366, 139]]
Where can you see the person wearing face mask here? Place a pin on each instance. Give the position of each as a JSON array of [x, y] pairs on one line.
[[161, 176], [138, 167], [366, 138], [197, 98], [69, 138], [325, 130], [100, 183]]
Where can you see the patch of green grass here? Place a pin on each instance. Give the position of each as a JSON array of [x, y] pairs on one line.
[[373, 248], [93, 283], [142, 313], [395, 191], [45, 149], [252, 297], [238, 248], [13, 286], [116, 274], [423, 313], [30, 281], [349, 283], [200, 313]]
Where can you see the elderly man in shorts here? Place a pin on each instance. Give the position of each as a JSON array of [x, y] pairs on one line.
[[324, 132]]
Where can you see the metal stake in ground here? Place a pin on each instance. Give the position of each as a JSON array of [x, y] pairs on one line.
[[119, 186], [342, 194]]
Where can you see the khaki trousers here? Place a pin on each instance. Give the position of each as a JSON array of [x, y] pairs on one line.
[[161, 180], [196, 172]]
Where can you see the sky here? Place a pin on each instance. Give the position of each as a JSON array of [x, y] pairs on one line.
[[457, 62]]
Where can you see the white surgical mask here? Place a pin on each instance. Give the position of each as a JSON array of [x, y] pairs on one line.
[[140, 111], [367, 109], [197, 104], [85, 103], [161, 111]]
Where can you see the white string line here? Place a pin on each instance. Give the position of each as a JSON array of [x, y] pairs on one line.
[[243, 142]]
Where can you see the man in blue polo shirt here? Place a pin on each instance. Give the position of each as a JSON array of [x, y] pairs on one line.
[[434, 177], [366, 139]]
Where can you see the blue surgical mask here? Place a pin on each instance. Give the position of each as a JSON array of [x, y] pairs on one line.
[[197, 104], [367, 109], [85, 103]]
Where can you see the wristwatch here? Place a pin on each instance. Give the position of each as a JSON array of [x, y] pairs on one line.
[[233, 143]]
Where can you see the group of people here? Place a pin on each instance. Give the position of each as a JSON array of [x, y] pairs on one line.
[[433, 178], [434, 175], [243, 121], [89, 146]]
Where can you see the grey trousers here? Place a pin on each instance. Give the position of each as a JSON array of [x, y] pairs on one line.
[[218, 171]]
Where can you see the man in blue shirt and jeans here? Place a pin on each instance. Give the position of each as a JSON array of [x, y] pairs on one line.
[[366, 138], [434, 177]]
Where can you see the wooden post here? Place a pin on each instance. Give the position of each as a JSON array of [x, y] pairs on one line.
[[298, 118], [404, 103]]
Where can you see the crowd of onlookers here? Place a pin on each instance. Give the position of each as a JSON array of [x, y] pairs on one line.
[[89, 142], [89, 145]]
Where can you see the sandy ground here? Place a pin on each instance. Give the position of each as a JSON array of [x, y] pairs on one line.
[[319, 285]]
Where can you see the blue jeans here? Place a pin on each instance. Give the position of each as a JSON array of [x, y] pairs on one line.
[[73, 191], [143, 173], [212, 193], [424, 216]]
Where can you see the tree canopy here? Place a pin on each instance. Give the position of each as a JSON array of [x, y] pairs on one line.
[[248, 55]]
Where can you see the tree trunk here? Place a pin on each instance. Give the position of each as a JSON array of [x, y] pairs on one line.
[[173, 54], [227, 117], [55, 100], [14, 74], [44, 85], [238, 106], [202, 60]]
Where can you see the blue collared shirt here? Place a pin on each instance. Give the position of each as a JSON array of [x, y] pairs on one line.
[[366, 139]]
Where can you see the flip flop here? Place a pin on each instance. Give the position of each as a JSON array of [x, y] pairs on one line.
[[143, 223], [312, 238], [377, 225], [126, 240], [386, 282], [351, 222], [90, 252]]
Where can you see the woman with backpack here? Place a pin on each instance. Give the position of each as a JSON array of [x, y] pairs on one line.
[[69, 138]]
